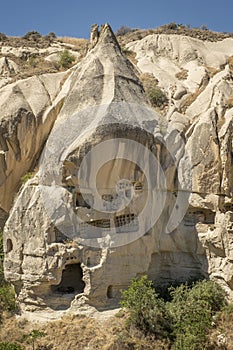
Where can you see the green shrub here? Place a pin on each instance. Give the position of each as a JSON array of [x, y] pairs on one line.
[[147, 311], [65, 59], [185, 319], [156, 96]]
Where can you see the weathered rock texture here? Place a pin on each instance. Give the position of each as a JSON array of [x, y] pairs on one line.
[[103, 99]]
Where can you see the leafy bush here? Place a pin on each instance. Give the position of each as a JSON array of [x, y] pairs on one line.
[[192, 309], [147, 311], [185, 319], [66, 59], [157, 97]]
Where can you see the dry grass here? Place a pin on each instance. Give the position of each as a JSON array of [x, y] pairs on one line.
[[182, 75], [82, 333], [76, 44], [190, 99], [211, 71], [131, 55], [75, 332], [224, 329], [148, 79]]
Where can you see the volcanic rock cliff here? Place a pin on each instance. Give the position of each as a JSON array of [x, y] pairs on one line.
[[119, 190]]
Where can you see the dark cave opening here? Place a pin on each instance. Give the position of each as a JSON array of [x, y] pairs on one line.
[[71, 281]]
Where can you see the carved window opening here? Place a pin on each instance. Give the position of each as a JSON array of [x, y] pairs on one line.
[[9, 245], [71, 281], [110, 292]]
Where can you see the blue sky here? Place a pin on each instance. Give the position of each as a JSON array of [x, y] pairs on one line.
[[74, 17]]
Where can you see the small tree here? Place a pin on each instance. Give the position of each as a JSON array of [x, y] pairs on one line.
[[147, 311], [192, 308], [66, 59]]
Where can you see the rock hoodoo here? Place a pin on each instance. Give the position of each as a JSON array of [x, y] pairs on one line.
[[115, 196]]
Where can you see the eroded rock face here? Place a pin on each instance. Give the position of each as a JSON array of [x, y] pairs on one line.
[[28, 110], [160, 203]]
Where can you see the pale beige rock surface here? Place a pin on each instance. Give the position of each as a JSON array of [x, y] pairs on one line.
[[103, 99], [26, 117]]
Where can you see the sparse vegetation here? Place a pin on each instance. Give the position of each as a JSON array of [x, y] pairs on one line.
[[182, 75], [230, 62], [3, 37], [32, 337], [124, 30], [156, 96], [131, 55], [50, 37], [211, 71], [26, 177], [7, 295], [190, 99], [33, 36], [66, 59]]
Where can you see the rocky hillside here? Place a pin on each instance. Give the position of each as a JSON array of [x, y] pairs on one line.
[[164, 205]]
